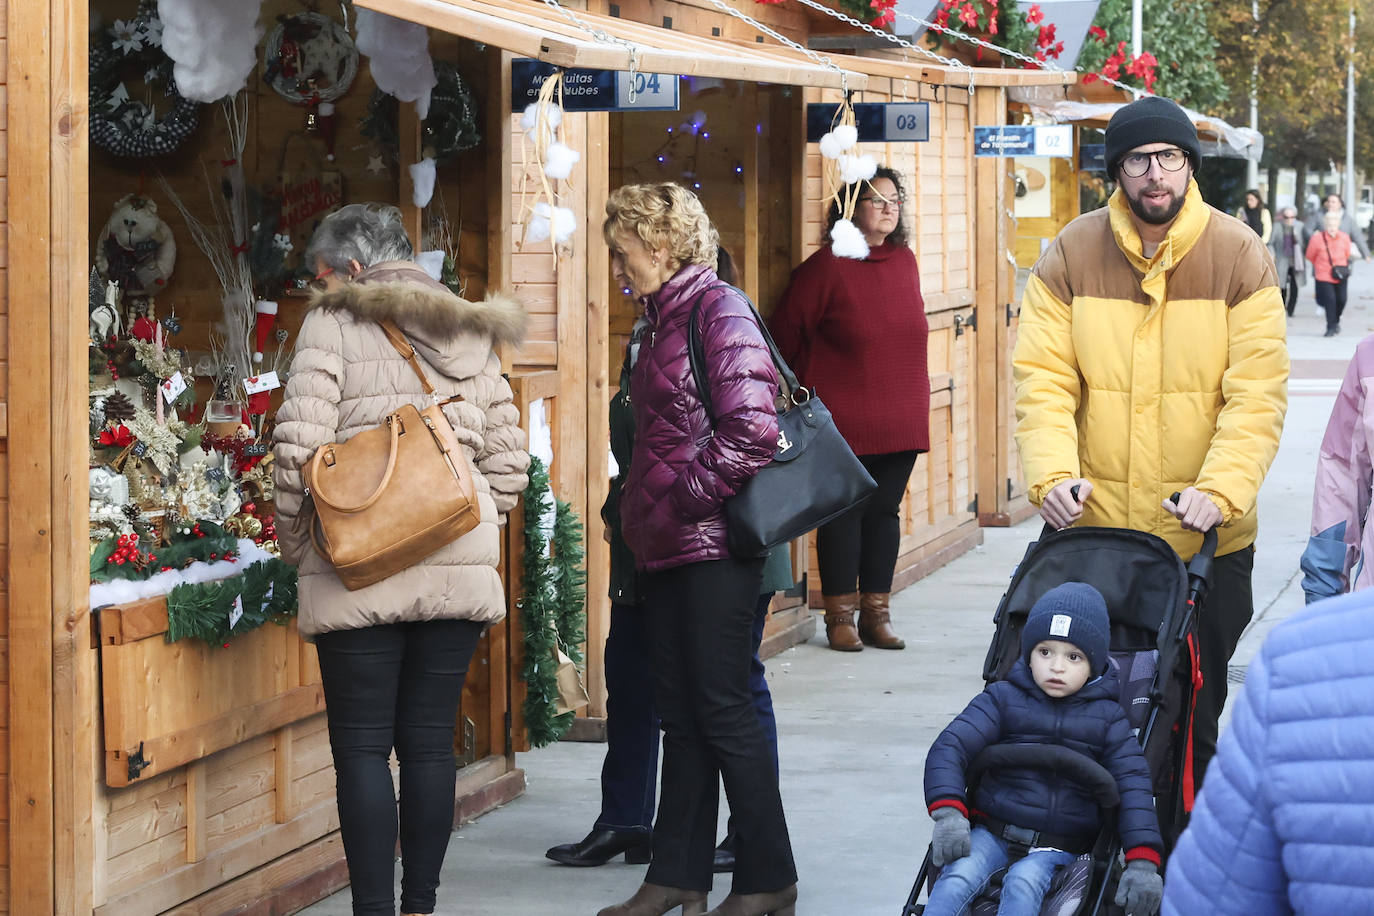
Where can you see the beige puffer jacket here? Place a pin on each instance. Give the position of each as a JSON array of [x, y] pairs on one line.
[[346, 377]]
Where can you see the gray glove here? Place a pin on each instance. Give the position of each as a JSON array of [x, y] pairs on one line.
[[949, 842], [1141, 889]]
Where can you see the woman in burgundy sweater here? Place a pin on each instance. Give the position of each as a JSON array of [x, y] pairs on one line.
[[855, 331]]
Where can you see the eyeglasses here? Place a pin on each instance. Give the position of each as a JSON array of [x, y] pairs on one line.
[[1135, 165], [883, 203]]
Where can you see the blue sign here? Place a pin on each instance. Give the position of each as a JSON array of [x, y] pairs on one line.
[[878, 122], [594, 90], [1092, 157], [1023, 140]]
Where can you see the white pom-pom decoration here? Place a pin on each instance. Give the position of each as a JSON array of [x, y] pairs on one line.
[[432, 262], [530, 116], [830, 147], [846, 135], [857, 168], [422, 182], [561, 222], [559, 161], [846, 241], [564, 224], [538, 229]]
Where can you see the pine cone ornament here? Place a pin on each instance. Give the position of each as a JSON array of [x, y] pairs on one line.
[[118, 407]]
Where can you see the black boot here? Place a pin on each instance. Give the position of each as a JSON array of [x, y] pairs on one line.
[[601, 846], [725, 852]]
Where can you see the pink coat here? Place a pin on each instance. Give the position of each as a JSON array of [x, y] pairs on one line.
[[1341, 540], [1339, 255]]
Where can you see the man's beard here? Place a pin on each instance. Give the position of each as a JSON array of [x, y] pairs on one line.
[[1154, 215]]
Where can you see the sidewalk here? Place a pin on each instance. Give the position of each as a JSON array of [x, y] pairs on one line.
[[853, 728]]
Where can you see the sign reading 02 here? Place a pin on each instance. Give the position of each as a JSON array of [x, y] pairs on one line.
[[878, 122], [594, 90]]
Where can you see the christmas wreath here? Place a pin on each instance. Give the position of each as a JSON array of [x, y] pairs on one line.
[[450, 129], [120, 124], [309, 59]]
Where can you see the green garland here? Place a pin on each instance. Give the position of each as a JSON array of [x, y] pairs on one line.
[[201, 610], [553, 608], [449, 129], [180, 553]]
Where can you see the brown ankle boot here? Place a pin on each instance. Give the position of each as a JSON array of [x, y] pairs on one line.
[[839, 622], [875, 623], [656, 899], [778, 903]]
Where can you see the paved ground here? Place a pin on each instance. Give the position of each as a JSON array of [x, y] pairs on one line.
[[854, 728]]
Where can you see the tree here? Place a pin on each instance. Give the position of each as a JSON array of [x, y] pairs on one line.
[[1176, 33]]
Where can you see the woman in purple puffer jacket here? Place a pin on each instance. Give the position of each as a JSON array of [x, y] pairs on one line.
[[698, 599]]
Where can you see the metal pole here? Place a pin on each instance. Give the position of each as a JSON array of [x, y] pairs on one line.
[[1137, 27], [1251, 166], [1351, 197]]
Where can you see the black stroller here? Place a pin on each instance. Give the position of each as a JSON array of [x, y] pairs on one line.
[[1153, 602]]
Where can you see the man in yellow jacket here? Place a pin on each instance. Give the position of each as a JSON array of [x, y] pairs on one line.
[[1151, 360]]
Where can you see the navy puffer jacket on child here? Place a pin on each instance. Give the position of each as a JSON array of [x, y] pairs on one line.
[[1016, 711]]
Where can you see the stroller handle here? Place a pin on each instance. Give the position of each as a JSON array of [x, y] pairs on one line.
[[1081, 768]]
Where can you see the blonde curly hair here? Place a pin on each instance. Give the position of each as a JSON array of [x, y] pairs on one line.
[[663, 215]]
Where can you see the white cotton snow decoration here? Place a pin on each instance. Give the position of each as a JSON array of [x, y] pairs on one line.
[[432, 262], [422, 182], [538, 230], [561, 226], [559, 161], [552, 113], [212, 44], [398, 53], [564, 225], [121, 591], [846, 135], [857, 168], [830, 146], [846, 241]]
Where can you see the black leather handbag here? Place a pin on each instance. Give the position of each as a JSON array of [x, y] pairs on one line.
[[814, 476]]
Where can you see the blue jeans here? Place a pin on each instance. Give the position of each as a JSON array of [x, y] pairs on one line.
[[1023, 886], [629, 774]]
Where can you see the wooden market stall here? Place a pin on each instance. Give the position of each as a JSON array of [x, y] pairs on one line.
[[141, 775]]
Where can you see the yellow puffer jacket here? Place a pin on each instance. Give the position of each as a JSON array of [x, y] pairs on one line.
[[1149, 375]]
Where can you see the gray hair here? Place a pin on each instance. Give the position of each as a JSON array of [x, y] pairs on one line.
[[367, 233]]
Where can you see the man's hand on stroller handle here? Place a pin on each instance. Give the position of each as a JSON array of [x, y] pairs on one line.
[[1194, 510], [1063, 505]]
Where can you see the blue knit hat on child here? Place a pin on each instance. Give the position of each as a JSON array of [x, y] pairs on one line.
[[1073, 612]]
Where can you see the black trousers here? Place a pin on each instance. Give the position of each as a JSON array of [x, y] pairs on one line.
[[395, 685], [1290, 291], [860, 547], [701, 619], [1225, 615], [1331, 297]]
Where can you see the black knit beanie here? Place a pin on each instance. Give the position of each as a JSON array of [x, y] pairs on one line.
[[1152, 119], [1074, 612]]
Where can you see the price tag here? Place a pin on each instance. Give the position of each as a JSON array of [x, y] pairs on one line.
[[651, 90], [256, 450], [236, 612], [1056, 140], [140, 449], [906, 121], [214, 475], [256, 384], [173, 387]]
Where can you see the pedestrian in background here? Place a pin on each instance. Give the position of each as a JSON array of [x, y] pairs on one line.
[[1289, 251], [394, 654], [1333, 203], [1256, 215], [1342, 539], [1105, 441], [699, 599], [856, 331], [1330, 252], [1283, 824]]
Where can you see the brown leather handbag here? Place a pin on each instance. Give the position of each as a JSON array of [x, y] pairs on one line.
[[394, 494]]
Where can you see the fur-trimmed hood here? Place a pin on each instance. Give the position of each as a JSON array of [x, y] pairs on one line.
[[438, 323]]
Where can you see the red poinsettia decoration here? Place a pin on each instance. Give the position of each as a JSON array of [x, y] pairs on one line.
[[1030, 35], [117, 436], [886, 12], [1144, 67]]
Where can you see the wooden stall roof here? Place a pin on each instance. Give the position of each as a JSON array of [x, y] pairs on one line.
[[912, 67], [534, 30]]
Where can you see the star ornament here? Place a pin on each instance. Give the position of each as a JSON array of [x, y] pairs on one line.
[[282, 242], [375, 164]]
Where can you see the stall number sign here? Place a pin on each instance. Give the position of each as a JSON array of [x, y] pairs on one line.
[[878, 122], [1036, 140], [594, 90]]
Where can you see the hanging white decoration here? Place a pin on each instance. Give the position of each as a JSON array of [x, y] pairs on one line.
[[559, 161], [553, 161], [213, 43], [846, 241], [422, 182], [398, 53]]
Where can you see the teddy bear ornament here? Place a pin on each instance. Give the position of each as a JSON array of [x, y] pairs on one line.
[[136, 248]]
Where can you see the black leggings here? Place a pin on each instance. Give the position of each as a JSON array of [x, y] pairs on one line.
[[395, 685], [860, 547]]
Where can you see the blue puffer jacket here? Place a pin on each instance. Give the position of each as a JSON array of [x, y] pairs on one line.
[[1090, 721], [1285, 820]]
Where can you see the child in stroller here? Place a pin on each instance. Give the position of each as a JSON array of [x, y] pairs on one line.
[[1060, 696]]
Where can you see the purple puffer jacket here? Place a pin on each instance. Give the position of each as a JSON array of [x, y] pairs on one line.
[[673, 504]]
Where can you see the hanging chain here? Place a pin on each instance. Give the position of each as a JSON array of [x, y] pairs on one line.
[[818, 58], [603, 37]]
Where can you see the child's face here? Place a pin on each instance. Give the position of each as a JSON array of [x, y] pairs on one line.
[[1059, 668]]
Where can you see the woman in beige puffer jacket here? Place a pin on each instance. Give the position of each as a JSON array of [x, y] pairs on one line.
[[394, 654]]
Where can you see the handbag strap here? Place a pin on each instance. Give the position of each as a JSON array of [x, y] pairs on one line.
[[696, 358], [393, 423], [403, 347], [1329, 256]]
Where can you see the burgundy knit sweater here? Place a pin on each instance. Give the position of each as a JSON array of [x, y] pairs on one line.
[[855, 333]]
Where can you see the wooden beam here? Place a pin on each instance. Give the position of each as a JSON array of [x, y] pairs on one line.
[[751, 263], [989, 201], [76, 732], [408, 131], [195, 811], [598, 325], [500, 240], [284, 757], [29, 579]]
